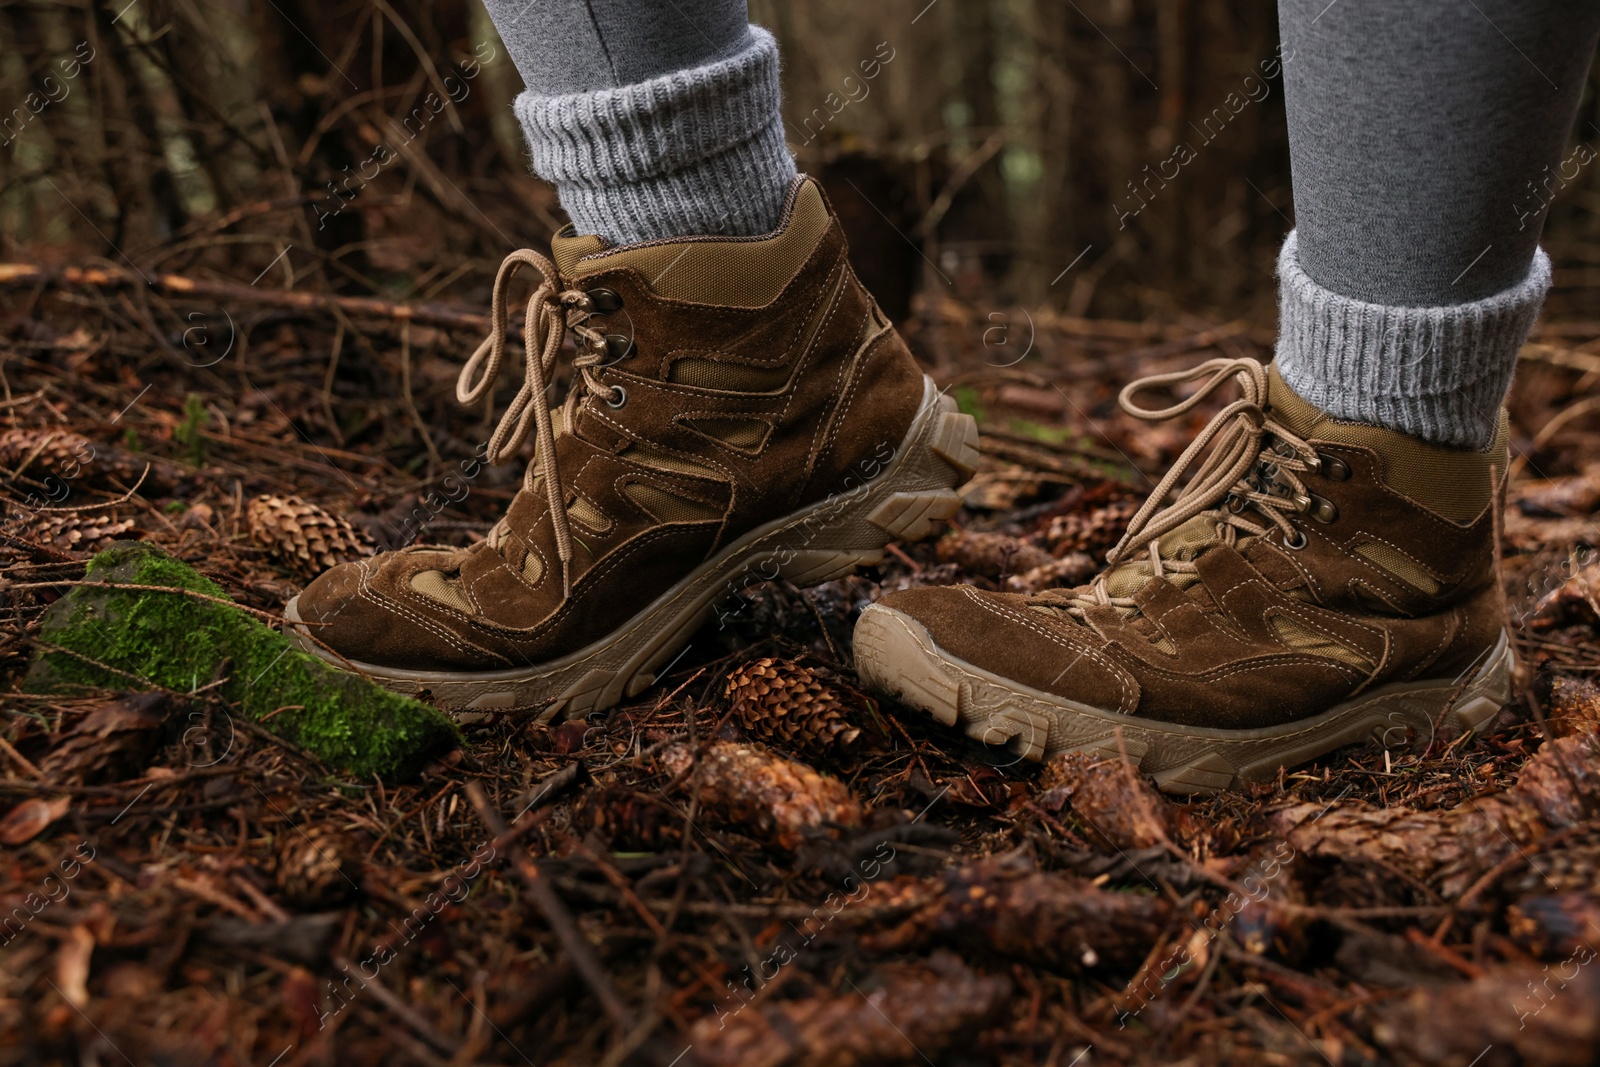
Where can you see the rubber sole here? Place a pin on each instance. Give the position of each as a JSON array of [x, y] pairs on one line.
[[896, 655], [905, 500]]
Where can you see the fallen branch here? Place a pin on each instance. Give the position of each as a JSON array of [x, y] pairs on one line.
[[428, 313], [555, 912], [1118, 805], [1527, 1015]]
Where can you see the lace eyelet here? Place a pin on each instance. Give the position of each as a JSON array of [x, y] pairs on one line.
[[618, 347], [619, 399], [604, 301], [1298, 543], [1322, 509], [1333, 468]]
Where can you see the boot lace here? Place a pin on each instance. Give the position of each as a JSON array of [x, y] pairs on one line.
[[551, 311], [1252, 473]]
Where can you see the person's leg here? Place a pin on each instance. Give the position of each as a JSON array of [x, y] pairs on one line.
[[1327, 572], [740, 408], [653, 120], [1425, 142]]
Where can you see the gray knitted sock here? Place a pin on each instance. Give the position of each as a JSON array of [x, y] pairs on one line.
[[1438, 373], [697, 151]]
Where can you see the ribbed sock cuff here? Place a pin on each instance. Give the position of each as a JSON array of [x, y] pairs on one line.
[[698, 151], [1438, 373]]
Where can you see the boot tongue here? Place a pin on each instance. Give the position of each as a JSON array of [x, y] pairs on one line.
[[1184, 542], [1454, 483], [1285, 407]]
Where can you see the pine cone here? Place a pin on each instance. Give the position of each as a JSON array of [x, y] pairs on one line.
[[317, 867], [304, 536], [1570, 866], [775, 799], [1094, 532], [628, 820], [784, 702], [1574, 705], [990, 554], [1063, 573], [77, 532], [111, 743], [43, 453]]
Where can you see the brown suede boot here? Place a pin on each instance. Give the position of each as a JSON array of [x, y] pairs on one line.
[[1317, 582], [741, 410]]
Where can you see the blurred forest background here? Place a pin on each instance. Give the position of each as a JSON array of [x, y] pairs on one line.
[[245, 246], [997, 145]]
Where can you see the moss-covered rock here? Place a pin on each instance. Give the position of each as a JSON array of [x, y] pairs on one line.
[[179, 642]]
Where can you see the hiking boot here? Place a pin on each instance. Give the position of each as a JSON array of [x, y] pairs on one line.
[[1317, 582], [740, 411]]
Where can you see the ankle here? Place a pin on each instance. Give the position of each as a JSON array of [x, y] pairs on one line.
[[698, 151], [1438, 374], [1453, 482]]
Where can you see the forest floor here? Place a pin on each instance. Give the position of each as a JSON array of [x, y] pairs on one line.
[[684, 882]]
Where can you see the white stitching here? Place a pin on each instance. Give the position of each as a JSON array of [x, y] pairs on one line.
[[391, 606], [1120, 673], [857, 367], [1257, 664]]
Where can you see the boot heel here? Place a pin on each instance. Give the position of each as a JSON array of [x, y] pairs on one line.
[[1489, 691], [913, 516], [815, 566], [955, 439], [945, 454]]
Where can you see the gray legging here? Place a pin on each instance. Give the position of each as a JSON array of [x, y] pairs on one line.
[[577, 46], [1420, 134], [1423, 139]]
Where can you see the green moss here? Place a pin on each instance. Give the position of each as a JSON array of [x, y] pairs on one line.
[[968, 401], [1050, 435], [180, 642]]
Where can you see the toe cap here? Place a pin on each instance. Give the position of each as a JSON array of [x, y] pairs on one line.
[[366, 612]]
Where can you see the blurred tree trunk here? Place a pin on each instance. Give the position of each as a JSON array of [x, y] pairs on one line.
[[1144, 145]]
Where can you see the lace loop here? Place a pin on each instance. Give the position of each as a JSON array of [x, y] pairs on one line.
[[550, 312]]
